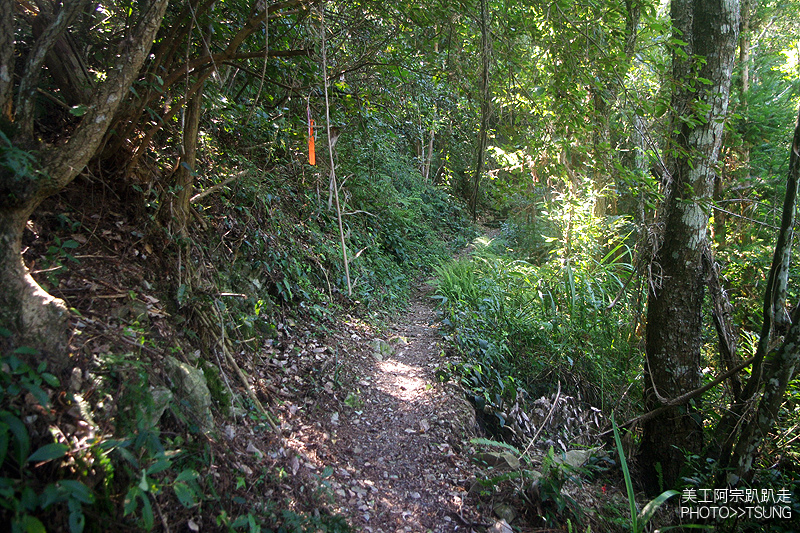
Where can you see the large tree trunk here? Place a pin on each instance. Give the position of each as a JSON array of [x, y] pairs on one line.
[[25, 308], [34, 318], [674, 325]]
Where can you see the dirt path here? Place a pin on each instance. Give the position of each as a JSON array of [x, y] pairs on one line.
[[395, 445]]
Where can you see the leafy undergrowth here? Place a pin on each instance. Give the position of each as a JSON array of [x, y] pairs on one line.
[[524, 327], [249, 303], [546, 346], [102, 445]]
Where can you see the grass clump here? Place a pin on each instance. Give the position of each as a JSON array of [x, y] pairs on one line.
[[522, 326]]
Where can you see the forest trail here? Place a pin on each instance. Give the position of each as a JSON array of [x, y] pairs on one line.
[[394, 447]]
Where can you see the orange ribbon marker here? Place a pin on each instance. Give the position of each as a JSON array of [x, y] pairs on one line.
[[312, 157]]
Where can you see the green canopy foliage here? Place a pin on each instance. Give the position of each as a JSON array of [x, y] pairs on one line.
[[578, 127]]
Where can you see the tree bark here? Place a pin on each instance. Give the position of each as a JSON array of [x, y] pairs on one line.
[[32, 71], [65, 66], [6, 57], [175, 208], [674, 321], [771, 370], [483, 135], [720, 216], [33, 317], [25, 308]]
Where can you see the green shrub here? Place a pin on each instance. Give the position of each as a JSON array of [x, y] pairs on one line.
[[25, 493], [520, 325]]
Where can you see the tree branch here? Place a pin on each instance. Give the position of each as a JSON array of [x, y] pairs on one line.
[[776, 283], [246, 70], [213, 188], [684, 398], [252, 24], [780, 364], [32, 71], [722, 311], [62, 163], [203, 62]]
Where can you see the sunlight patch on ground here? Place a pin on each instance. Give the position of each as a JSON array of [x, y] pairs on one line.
[[482, 242], [401, 381]]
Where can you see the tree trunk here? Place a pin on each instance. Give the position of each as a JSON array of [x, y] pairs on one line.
[[483, 136], [6, 58], [633, 158], [175, 207], [25, 308], [65, 66], [428, 159], [771, 370], [34, 318], [187, 173], [674, 325], [167, 65], [601, 137], [720, 216]]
